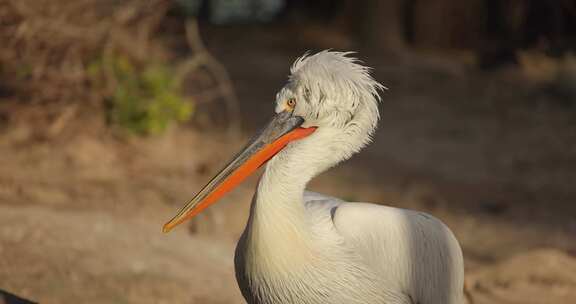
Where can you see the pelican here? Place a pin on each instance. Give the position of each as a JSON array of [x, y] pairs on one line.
[[307, 248]]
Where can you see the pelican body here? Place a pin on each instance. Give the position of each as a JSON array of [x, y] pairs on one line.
[[308, 248]]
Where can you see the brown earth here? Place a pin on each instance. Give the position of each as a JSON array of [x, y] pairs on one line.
[[80, 216]]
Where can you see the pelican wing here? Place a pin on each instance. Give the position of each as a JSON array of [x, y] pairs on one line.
[[413, 249]]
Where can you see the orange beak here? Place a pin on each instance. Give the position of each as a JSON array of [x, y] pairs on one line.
[[283, 129]]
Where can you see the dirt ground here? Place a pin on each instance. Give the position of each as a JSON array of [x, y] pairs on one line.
[[81, 216]]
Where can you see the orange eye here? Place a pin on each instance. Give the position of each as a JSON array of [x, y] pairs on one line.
[[291, 102]]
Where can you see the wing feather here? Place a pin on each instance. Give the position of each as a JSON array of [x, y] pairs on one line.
[[412, 248]]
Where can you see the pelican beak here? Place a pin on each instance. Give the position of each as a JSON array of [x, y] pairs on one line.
[[282, 129]]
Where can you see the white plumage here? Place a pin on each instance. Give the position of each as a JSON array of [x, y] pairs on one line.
[[304, 247]]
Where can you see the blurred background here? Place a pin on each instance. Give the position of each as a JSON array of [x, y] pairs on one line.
[[114, 112]]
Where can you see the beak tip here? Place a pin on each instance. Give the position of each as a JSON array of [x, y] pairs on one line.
[[167, 228], [171, 224]]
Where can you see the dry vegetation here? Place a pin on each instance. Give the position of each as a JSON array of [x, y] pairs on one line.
[[64, 61], [48, 46]]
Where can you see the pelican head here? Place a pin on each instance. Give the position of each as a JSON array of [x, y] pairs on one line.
[[326, 112]]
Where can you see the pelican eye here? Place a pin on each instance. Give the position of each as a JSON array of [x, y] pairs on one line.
[[291, 103]]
